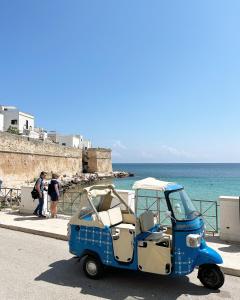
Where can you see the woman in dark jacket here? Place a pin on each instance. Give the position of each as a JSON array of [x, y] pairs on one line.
[[53, 192]]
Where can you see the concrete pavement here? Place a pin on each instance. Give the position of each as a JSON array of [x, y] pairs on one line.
[[34, 267], [57, 228]]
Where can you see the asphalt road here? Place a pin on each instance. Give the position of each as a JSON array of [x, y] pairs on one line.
[[34, 267]]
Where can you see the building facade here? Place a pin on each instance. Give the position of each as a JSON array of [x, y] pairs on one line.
[[74, 141], [1, 122], [16, 119]]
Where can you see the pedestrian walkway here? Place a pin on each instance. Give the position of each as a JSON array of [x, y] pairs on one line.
[[57, 228], [230, 253], [54, 228]]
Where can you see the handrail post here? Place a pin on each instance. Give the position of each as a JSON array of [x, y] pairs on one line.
[[11, 198], [216, 216]]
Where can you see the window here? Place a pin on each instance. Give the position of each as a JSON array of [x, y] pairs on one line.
[[97, 201], [155, 201], [26, 124], [182, 206], [13, 122]]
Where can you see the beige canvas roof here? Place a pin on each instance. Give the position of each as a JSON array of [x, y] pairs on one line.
[[151, 183], [99, 190]]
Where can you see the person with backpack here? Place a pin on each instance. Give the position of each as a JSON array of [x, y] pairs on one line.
[[54, 193], [39, 188]]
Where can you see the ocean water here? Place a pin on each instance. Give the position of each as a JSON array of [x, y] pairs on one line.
[[201, 181]]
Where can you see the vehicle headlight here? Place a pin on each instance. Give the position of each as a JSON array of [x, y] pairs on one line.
[[193, 240]]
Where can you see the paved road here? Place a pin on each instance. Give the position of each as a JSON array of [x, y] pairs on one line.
[[34, 267]]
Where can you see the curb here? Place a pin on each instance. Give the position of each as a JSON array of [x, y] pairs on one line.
[[36, 232], [230, 271], [226, 270]]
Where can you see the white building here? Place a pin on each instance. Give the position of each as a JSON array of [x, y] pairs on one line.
[[42, 134], [75, 141], [86, 144], [69, 140], [16, 119], [1, 122]]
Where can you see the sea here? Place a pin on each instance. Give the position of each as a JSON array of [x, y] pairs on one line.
[[202, 181]]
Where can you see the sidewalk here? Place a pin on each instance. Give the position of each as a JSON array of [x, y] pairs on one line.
[[230, 253], [57, 228], [54, 228]]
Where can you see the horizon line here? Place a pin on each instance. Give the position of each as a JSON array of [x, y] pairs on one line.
[[176, 163]]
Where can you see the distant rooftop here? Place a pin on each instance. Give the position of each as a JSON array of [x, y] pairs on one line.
[[8, 107]]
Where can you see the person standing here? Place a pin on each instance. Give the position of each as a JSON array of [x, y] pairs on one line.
[[54, 193], [39, 187]]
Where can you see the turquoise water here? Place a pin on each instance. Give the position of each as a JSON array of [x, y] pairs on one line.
[[201, 181]]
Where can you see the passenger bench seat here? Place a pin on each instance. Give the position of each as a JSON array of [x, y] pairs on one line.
[[115, 216]]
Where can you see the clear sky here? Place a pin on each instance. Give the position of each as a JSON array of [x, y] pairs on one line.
[[157, 81]]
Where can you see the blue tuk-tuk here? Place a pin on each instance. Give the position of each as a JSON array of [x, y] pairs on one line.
[[162, 233]]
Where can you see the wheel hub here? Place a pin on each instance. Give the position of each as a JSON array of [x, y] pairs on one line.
[[211, 277], [91, 268]]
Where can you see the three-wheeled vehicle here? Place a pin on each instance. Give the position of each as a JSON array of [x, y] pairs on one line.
[[164, 235]]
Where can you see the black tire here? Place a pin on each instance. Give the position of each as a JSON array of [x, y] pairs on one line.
[[92, 267], [211, 276]]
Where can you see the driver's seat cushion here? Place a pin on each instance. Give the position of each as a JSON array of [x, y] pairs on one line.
[[146, 221]]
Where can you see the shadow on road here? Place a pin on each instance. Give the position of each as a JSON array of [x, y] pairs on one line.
[[231, 247], [33, 218], [120, 284]]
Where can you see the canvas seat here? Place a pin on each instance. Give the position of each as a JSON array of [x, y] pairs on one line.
[[122, 234], [115, 216], [111, 217], [146, 220]]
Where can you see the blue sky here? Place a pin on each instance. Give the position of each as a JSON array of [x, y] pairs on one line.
[[157, 81]]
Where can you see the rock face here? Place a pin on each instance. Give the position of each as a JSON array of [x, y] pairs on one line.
[[89, 178], [22, 160], [122, 174]]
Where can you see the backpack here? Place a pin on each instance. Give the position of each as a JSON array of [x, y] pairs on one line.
[[34, 192]]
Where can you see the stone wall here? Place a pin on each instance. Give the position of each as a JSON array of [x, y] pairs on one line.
[[22, 159], [99, 160]]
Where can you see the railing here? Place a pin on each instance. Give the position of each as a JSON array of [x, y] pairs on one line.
[[69, 202], [210, 212], [10, 197], [208, 209]]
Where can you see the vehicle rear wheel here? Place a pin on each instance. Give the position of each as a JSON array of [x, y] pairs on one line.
[[211, 276], [92, 267]]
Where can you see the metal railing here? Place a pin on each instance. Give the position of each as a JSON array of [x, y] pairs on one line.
[[210, 212], [208, 209], [10, 197], [70, 200]]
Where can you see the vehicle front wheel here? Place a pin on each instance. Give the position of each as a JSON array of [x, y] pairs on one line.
[[211, 276], [92, 267]]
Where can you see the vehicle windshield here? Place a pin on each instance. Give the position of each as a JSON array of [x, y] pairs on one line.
[[182, 206]]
